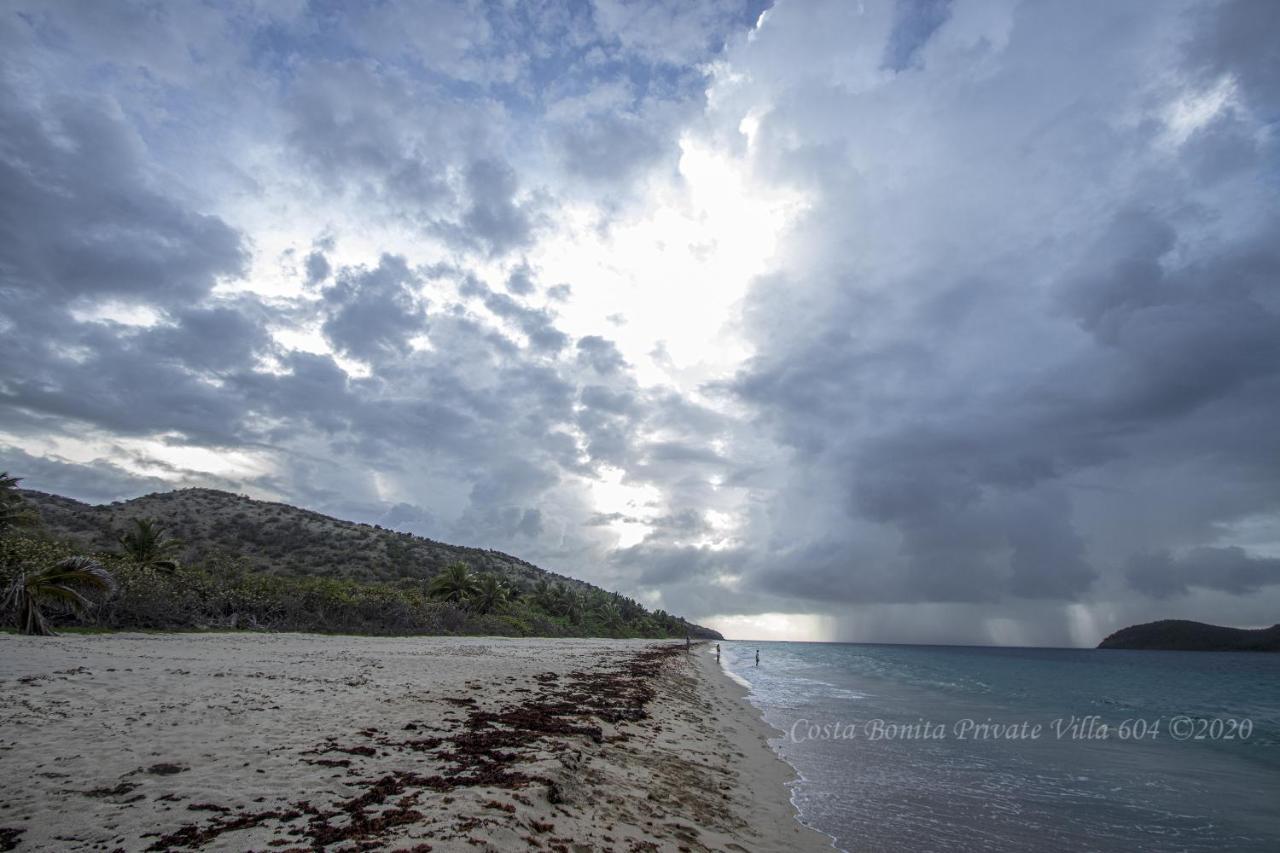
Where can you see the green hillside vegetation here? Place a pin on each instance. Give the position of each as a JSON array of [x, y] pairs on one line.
[[205, 559]]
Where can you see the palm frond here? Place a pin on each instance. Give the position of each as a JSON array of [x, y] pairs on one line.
[[148, 544], [61, 583], [60, 595], [79, 571], [455, 583]]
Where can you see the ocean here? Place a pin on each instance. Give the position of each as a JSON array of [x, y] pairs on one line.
[[918, 748]]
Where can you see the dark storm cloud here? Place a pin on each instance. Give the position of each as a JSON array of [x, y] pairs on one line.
[[317, 267], [472, 402], [82, 223], [314, 391], [963, 485], [986, 428], [216, 338], [99, 481], [1232, 570], [1235, 38], [372, 312], [79, 218], [617, 420], [500, 504], [136, 381], [1177, 339], [538, 325], [1016, 349], [663, 565]]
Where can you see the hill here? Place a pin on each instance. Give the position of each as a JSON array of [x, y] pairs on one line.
[[295, 552], [276, 538], [1184, 635]]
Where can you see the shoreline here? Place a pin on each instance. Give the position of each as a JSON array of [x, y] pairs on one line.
[[310, 742], [772, 776]]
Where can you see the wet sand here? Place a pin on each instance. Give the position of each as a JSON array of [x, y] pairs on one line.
[[303, 742]]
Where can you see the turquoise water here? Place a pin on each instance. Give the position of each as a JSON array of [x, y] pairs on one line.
[[1134, 751]]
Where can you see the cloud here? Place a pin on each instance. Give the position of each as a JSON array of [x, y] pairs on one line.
[[538, 325], [1231, 569], [135, 313], [914, 21], [374, 311], [972, 356], [98, 481], [659, 566], [81, 217], [601, 354], [1231, 38], [495, 217], [521, 280], [1005, 369], [668, 32], [317, 267], [612, 146]]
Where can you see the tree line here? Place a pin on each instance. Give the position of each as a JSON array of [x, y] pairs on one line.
[[143, 583]]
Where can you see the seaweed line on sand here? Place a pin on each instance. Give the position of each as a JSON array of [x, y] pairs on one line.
[[485, 750], [9, 837]]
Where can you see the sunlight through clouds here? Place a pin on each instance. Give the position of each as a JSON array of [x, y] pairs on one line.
[[834, 319], [676, 269]]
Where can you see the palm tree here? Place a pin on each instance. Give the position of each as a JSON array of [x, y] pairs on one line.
[[570, 603], [455, 583], [490, 594], [12, 511], [147, 544], [59, 583], [610, 614], [629, 607], [544, 595]]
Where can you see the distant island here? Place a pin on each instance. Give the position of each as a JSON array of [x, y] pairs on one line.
[[1183, 635]]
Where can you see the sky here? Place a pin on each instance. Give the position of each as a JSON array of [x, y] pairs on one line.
[[915, 321]]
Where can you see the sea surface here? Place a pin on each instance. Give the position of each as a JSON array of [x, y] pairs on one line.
[[1134, 751]]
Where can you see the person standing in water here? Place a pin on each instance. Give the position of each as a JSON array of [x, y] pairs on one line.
[[717, 651], [688, 644], [757, 657]]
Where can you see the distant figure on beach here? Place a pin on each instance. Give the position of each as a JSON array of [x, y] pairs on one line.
[[717, 651], [688, 644], [757, 657]]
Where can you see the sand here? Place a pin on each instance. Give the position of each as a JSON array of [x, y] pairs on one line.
[[301, 742]]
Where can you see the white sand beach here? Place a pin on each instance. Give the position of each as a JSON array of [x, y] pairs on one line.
[[302, 742]]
